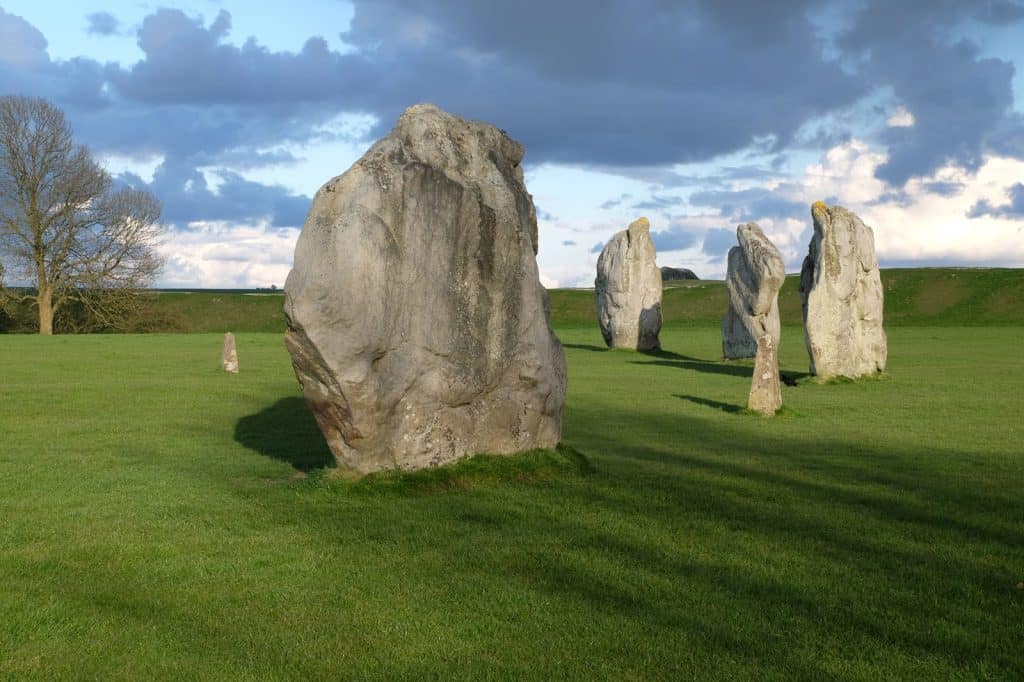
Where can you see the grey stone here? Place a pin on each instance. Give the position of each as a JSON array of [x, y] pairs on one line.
[[765, 390], [754, 276], [628, 289], [841, 293], [417, 324], [229, 354]]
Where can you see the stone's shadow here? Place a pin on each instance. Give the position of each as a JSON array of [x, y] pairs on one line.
[[724, 407], [669, 355], [703, 366], [670, 359], [585, 346], [286, 431]]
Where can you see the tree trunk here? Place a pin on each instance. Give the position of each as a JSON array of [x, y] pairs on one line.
[[45, 302]]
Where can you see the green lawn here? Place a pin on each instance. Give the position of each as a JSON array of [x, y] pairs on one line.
[[161, 519]]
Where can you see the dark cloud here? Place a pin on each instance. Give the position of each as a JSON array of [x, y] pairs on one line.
[[494, 61], [900, 197], [23, 47], [568, 242], [544, 215], [717, 242], [102, 23], [656, 203], [1013, 209], [614, 203], [959, 99], [945, 189], [699, 80], [673, 239], [751, 204], [187, 197], [597, 248]]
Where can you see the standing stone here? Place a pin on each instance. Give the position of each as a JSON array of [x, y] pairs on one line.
[[628, 289], [841, 293], [228, 354], [754, 276], [765, 390], [417, 324]]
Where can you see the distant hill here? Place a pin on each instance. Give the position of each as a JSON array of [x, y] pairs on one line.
[[918, 296], [676, 274], [913, 296]]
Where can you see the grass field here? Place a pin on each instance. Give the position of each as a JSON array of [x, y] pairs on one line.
[[161, 519]]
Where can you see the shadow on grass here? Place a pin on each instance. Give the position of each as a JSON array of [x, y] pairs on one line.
[[286, 431], [702, 366], [670, 359], [717, 532], [585, 346], [724, 407]]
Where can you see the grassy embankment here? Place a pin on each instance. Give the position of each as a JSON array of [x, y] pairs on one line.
[[163, 519], [929, 296]]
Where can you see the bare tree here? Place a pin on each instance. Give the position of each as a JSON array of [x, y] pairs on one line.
[[63, 224]]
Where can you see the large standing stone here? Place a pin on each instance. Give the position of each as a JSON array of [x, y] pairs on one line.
[[229, 354], [754, 276], [417, 323], [628, 289], [841, 292]]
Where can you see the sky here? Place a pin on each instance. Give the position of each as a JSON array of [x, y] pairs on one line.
[[700, 115]]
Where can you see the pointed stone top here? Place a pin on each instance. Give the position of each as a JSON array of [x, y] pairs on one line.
[[640, 224], [747, 229]]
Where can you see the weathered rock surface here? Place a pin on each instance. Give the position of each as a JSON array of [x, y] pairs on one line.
[[677, 274], [842, 298], [417, 323], [754, 275], [229, 354], [628, 289], [765, 390]]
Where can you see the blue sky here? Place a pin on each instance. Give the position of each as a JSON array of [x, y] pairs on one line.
[[699, 115]]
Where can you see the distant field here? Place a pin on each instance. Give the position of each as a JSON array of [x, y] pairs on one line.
[[160, 519], [923, 296]]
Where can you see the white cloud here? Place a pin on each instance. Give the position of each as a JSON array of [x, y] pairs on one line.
[[919, 224], [218, 255], [901, 118]]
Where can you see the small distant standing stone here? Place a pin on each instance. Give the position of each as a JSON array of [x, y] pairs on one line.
[[229, 356]]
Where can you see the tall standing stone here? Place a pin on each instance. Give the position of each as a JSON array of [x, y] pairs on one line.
[[751, 327], [754, 275], [841, 293], [628, 289], [417, 324], [229, 354]]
